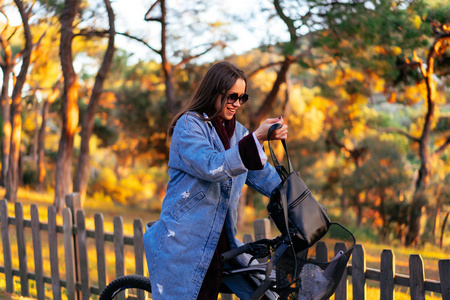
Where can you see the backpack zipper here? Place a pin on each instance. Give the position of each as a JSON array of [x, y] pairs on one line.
[[299, 199]]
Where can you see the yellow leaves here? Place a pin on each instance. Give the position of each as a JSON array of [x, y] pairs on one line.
[[264, 80], [395, 50], [217, 24], [133, 188], [309, 124], [349, 144], [46, 66], [416, 21], [298, 105], [414, 94], [29, 122]]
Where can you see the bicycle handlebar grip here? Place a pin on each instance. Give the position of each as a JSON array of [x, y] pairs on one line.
[[235, 252]]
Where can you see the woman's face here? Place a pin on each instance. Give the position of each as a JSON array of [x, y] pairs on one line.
[[230, 109]]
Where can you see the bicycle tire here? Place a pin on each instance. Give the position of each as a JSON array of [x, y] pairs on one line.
[[124, 283]]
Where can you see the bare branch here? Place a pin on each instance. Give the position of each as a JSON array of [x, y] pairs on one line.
[[334, 139], [187, 59], [260, 68], [147, 18], [154, 20], [442, 147], [40, 39], [139, 40], [288, 21], [91, 33], [400, 131], [104, 33]]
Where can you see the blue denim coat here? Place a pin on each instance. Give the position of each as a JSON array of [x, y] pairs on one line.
[[202, 196]]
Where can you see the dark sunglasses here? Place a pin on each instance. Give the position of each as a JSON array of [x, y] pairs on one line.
[[231, 98]]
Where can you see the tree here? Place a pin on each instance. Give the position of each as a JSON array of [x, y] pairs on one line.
[[87, 128], [371, 37], [440, 45], [427, 32], [158, 12], [41, 169], [63, 177], [45, 79], [16, 108], [7, 63]]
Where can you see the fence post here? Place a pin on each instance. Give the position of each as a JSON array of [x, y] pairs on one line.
[[7, 257], [359, 272], [321, 252], [83, 256], [262, 229], [341, 290], [138, 247], [387, 273], [444, 275], [37, 249], [69, 254], [100, 247], [138, 252], [53, 250], [119, 249], [119, 245], [21, 250], [416, 277], [248, 238], [73, 202]]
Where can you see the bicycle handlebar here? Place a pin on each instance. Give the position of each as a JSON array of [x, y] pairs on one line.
[[235, 252]]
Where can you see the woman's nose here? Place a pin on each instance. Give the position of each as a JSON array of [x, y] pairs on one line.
[[237, 103]]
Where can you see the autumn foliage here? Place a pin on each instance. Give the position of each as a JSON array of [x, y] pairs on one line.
[[362, 85]]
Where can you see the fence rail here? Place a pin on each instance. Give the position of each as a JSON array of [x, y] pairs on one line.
[[77, 283]]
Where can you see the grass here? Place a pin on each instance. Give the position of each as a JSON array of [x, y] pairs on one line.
[[429, 254]]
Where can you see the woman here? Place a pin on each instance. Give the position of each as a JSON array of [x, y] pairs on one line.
[[211, 157]]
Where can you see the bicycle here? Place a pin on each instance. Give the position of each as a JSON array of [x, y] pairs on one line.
[[289, 274]]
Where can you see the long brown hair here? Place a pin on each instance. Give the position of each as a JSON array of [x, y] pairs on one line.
[[219, 79]]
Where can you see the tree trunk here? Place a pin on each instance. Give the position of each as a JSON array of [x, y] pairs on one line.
[[34, 147], [359, 208], [172, 104], [12, 179], [344, 204], [63, 177], [41, 172], [41, 148], [7, 66], [6, 111], [81, 176], [419, 198]]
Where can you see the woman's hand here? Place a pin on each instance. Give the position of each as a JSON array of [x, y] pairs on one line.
[[263, 129]]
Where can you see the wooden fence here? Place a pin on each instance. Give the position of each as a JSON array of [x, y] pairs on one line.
[[77, 283]]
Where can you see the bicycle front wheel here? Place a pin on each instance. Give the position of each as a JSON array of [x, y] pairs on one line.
[[127, 287]]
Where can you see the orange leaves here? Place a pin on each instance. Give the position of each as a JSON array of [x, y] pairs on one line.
[[385, 162], [392, 97], [107, 100]]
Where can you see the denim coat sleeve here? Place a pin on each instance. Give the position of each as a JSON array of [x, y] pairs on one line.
[[198, 155]]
